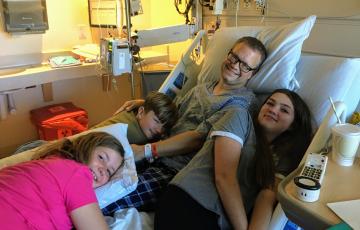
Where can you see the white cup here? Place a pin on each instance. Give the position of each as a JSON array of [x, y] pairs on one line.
[[345, 142]]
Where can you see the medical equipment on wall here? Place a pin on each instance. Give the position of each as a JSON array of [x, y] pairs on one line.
[[164, 35], [184, 10], [116, 53], [216, 6]]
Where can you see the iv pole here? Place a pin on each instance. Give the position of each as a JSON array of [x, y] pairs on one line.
[[128, 27]]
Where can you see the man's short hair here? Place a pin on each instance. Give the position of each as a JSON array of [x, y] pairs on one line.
[[254, 44], [163, 107]]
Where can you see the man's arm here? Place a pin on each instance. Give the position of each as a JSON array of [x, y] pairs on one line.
[[181, 143], [130, 105], [227, 154], [263, 209]]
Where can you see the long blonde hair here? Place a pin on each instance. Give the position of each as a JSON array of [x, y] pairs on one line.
[[80, 148]]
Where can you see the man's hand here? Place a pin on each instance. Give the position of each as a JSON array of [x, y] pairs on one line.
[[130, 105], [139, 151]]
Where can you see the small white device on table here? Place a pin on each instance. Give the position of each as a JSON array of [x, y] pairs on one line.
[[308, 183]]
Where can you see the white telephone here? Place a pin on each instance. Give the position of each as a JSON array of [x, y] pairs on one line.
[[308, 183]]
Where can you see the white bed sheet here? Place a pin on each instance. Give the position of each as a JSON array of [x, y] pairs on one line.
[[131, 219]]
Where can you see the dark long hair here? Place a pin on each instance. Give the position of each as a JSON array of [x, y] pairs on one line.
[[80, 148], [289, 146]]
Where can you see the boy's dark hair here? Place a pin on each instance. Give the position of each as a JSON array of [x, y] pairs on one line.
[[163, 107]]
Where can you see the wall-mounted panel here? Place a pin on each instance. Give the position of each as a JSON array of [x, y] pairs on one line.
[[322, 8], [25, 16], [336, 32], [103, 13]]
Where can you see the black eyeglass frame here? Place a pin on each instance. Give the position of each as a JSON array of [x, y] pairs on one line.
[[238, 60]]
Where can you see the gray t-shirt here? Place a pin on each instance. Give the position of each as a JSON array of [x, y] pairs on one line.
[[197, 178], [199, 109]]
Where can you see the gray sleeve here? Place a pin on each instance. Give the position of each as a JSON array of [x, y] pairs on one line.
[[235, 123], [206, 125]]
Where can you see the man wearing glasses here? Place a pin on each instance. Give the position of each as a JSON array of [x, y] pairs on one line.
[[242, 62], [199, 110]]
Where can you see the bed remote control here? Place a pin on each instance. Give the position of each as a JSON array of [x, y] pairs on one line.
[[309, 181]]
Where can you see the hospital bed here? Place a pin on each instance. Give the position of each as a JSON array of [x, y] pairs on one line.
[[318, 77], [315, 77]]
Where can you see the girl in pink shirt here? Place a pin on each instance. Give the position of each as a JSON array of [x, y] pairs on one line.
[[56, 190]]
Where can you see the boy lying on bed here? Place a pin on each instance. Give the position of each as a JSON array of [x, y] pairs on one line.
[[148, 123]]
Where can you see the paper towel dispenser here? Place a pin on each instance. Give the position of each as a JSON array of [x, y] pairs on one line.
[[25, 16]]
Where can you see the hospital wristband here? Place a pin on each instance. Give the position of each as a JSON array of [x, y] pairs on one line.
[[148, 153], [154, 151]]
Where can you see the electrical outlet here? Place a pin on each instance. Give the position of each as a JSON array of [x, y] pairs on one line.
[[82, 32], [247, 4]]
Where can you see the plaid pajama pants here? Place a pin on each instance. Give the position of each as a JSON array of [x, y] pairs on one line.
[[153, 178]]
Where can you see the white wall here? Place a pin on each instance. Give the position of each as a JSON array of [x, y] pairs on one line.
[[336, 32], [67, 20]]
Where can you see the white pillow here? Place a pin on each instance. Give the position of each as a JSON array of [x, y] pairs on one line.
[[323, 76], [125, 179], [283, 44]]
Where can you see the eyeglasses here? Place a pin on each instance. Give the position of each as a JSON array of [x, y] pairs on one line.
[[243, 66]]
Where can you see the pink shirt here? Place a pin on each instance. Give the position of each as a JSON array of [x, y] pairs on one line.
[[41, 194]]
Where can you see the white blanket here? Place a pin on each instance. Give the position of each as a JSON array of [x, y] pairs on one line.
[[131, 219]]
